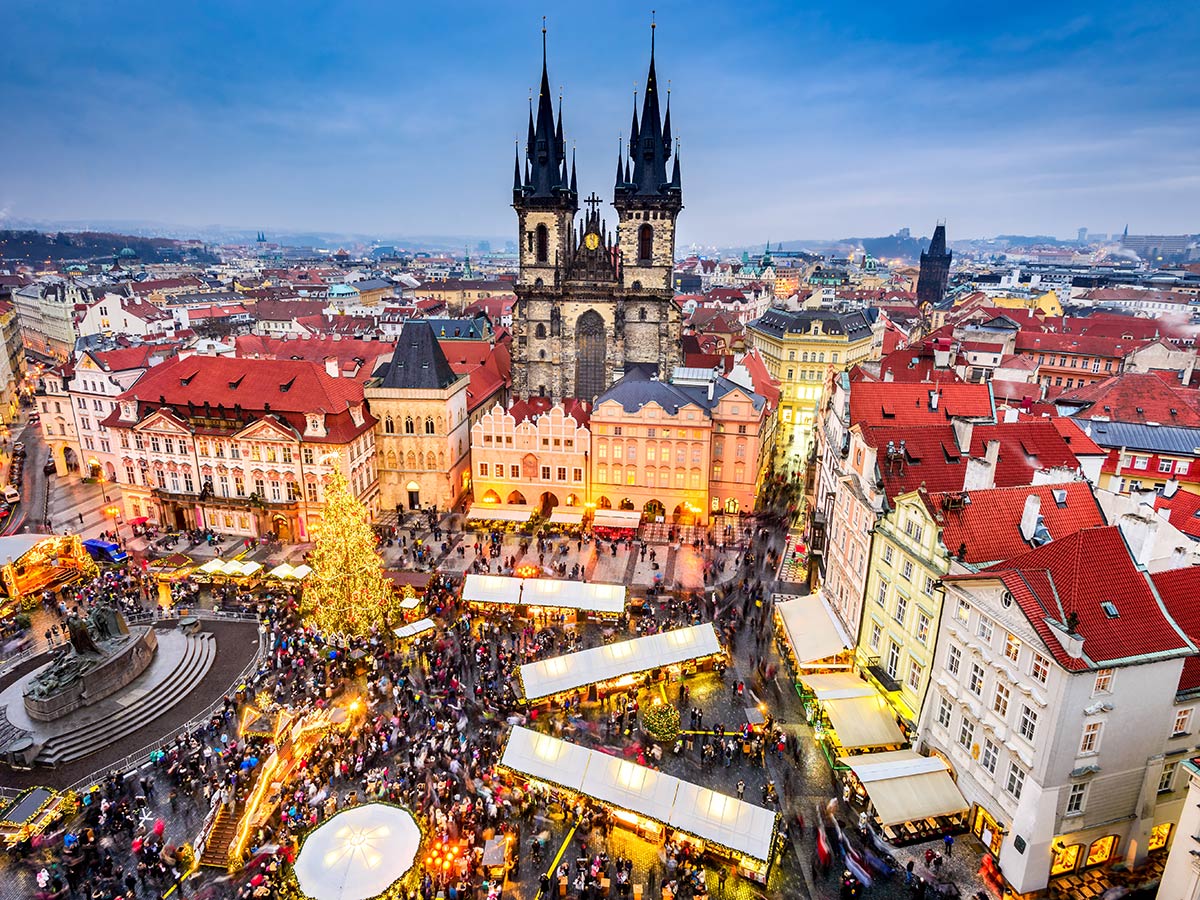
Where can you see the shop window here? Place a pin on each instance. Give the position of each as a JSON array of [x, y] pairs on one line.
[[1160, 836], [1065, 859], [1101, 850]]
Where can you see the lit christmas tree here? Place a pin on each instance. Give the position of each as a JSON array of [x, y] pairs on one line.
[[347, 592]]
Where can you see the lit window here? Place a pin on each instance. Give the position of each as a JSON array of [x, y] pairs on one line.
[[962, 612], [1040, 668], [1012, 647], [1090, 741], [1000, 700], [1183, 722], [922, 627], [1104, 680], [975, 683]]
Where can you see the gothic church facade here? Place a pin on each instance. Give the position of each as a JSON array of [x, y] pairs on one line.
[[593, 303]]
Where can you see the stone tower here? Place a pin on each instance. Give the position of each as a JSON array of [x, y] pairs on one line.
[[935, 269], [591, 303]]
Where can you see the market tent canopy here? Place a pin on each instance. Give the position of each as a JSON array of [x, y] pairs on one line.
[[617, 518], [410, 602], [545, 758], [836, 685], [249, 568], [702, 813], [811, 629], [213, 567], [507, 590], [358, 853], [566, 517], [905, 786], [413, 628], [575, 670], [14, 546], [283, 570], [500, 512], [863, 722], [301, 572], [724, 820]]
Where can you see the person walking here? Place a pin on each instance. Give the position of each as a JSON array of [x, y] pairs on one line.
[[948, 841], [741, 788]]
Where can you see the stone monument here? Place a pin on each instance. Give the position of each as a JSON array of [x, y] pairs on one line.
[[104, 655]]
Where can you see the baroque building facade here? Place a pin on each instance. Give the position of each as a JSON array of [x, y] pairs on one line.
[[594, 303]]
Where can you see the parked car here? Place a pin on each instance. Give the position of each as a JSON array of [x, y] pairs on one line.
[[11, 495]]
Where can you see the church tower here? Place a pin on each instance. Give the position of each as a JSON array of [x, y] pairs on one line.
[[592, 303]]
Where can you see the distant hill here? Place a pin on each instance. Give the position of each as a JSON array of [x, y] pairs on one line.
[[93, 246]]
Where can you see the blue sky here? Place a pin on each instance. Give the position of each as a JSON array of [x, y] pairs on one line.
[[797, 120]]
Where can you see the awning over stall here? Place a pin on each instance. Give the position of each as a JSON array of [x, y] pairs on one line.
[[575, 670], [863, 722], [213, 566], [836, 685], [500, 512], [578, 595], [905, 786], [413, 628], [617, 518], [811, 629], [566, 517], [698, 811]]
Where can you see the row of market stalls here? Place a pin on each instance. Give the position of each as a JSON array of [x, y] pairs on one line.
[[529, 596], [234, 568], [648, 802], [913, 797], [619, 666], [607, 523]]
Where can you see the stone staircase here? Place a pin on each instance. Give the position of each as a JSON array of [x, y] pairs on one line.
[[199, 653], [224, 830]]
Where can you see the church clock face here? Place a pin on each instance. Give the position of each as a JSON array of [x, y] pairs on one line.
[[591, 240]]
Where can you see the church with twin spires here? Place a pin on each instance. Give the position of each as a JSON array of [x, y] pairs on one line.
[[594, 303]]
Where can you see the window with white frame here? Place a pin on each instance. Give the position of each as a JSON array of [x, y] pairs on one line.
[[966, 733], [1164, 465], [927, 587], [876, 635], [901, 608], [922, 626], [1028, 726], [953, 660], [1000, 700], [1012, 647], [1040, 668], [1015, 782], [1075, 799], [975, 683], [1183, 722], [887, 554], [945, 709], [1104, 680], [962, 611], [881, 599], [893, 660], [984, 629], [1089, 741], [915, 670], [989, 756], [1166, 781], [906, 570]]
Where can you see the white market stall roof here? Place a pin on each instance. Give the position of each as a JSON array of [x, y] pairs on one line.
[[836, 685], [811, 629], [236, 568], [500, 512], [566, 517], [301, 572], [412, 629], [545, 758], [863, 722], [358, 853], [286, 570], [905, 786], [410, 602], [703, 813], [510, 591], [725, 820], [617, 518], [575, 670], [213, 566]]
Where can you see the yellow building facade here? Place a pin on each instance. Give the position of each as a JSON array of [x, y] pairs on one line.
[[802, 349]]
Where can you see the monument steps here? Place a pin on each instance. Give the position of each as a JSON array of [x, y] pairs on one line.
[[199, 654]]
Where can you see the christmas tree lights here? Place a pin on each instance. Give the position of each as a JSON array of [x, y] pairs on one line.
[[347, 592]]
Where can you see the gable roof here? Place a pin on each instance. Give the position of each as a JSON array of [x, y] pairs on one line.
[[879, 403], [1069, 579], [1136, 397], [1183, 511], [1179, 589]]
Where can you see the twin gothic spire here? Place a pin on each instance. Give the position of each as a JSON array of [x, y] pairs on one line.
[[546, 179]]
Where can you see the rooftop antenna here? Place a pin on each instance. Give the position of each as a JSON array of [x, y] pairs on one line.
[[653, 25]]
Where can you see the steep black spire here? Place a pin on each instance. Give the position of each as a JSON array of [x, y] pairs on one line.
[[620, 173], [937, 246], [676, 184], [574, 180], [548, 178], [518, 187], [934, 273], [649, 144]]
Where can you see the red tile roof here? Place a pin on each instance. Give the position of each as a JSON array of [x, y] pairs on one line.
[[1079, 442], [355, 358], [1081, 344], [1183, 508], [987, 523], [760, 377], [1179, 589], [287, 310], [882, 404], [291, 387], [1137, 397], [520, 410], [141, 356], [1070, 578]]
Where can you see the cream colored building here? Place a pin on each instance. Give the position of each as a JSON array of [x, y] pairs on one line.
[[526, 456], [422, 441]]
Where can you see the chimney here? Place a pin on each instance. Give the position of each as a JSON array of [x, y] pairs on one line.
[[941, 355], [1170, 488], [1029, 516], [962, 435], [889, 376], [331, 367], [933, 400], [1141, 535], [991, 452], [711, 386]]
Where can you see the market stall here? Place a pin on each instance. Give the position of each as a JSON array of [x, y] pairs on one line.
[[288, 572], [616, 666], [499, 512], [413, 629], [648, 801], [913, 796], [848, 714], [32, 563], [33, 811], [809, 636], [567, 516], [613, 524], [532, 595]]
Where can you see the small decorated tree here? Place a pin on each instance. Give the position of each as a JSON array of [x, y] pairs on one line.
[[347, 592], [661, 722]]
